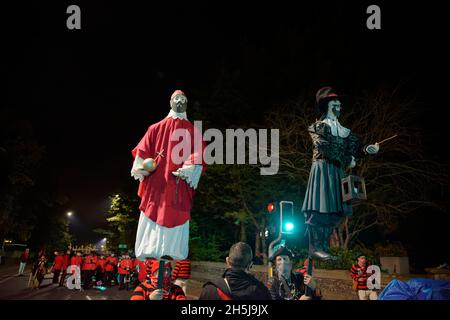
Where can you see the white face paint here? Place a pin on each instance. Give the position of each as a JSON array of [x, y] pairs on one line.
[[334, 109], [284, 266]]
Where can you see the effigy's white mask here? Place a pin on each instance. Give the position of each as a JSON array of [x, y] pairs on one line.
[[334, 111], [179, 103]]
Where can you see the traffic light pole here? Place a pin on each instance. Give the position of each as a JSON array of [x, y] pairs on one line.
[[290, 214], [272, 244], [308, 290]]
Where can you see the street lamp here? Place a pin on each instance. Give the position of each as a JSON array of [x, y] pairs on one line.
[[69, 214]]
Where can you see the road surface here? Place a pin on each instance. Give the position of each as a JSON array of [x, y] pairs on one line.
[[13, 287]]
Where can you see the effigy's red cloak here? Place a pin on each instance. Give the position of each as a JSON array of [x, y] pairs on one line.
[[162, 200]]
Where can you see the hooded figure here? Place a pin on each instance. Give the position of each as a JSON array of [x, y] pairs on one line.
[[335, 148], [167, 191]]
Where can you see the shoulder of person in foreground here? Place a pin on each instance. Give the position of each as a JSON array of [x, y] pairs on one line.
[[261, 292], [178, 292], [209, 292]]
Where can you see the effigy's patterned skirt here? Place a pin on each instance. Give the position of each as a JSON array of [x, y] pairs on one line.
[[324, 193]]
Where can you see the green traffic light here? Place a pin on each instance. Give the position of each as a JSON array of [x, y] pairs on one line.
[[289, 226]]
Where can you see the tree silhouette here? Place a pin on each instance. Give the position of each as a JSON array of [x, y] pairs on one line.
[[399, 180]]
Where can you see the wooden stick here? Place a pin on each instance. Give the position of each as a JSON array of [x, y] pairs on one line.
[[387, 139]]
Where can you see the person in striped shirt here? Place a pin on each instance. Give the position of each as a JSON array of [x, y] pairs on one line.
[[360, 276], [182, 273], [148, 290]]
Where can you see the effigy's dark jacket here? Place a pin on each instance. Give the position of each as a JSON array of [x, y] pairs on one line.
[[334, 149]]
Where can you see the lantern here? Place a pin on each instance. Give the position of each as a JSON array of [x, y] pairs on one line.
[[353, 189]]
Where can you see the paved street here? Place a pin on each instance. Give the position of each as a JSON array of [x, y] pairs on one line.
[[13, 287]]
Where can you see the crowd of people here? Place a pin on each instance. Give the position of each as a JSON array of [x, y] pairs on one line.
[[236, 283], [96, 270]]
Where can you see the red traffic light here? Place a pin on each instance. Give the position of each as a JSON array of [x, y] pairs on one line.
[[270, 207]]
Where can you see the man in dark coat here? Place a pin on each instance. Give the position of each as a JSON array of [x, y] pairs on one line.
[[236, 282]]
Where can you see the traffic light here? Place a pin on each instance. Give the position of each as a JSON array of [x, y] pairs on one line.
[[287, 217], [270, 207]]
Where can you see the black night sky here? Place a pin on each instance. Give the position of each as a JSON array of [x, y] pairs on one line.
[[91, 94]]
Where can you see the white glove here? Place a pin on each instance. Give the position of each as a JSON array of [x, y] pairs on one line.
[[179, 173], [137, 172], [190, 173], [156, 294], [353, 163], [373, 148]]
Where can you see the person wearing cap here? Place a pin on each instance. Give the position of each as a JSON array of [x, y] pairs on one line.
[[335, 148], [141, 269], [88, 269], [288, 285], [110, 268], [76, 260], [167, 189], [66, 263], [359, 275], [100, 269], [58, 266], [125, 268], [23, 261]]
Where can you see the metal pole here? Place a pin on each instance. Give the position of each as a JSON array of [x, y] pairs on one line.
[[308, 290], [272, 244], [161, 273]]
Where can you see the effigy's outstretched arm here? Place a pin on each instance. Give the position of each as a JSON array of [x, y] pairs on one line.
[[191, 173], [137, 171]]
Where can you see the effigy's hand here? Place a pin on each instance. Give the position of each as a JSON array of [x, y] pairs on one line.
[[156, 294], [139, 174], [189, 173], [304, 297], [353, 163], [142, 172], [373, 148], [176, 173], [180, 173]]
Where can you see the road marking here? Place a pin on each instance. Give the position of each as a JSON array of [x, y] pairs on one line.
[[89, 298], [7, 278]]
